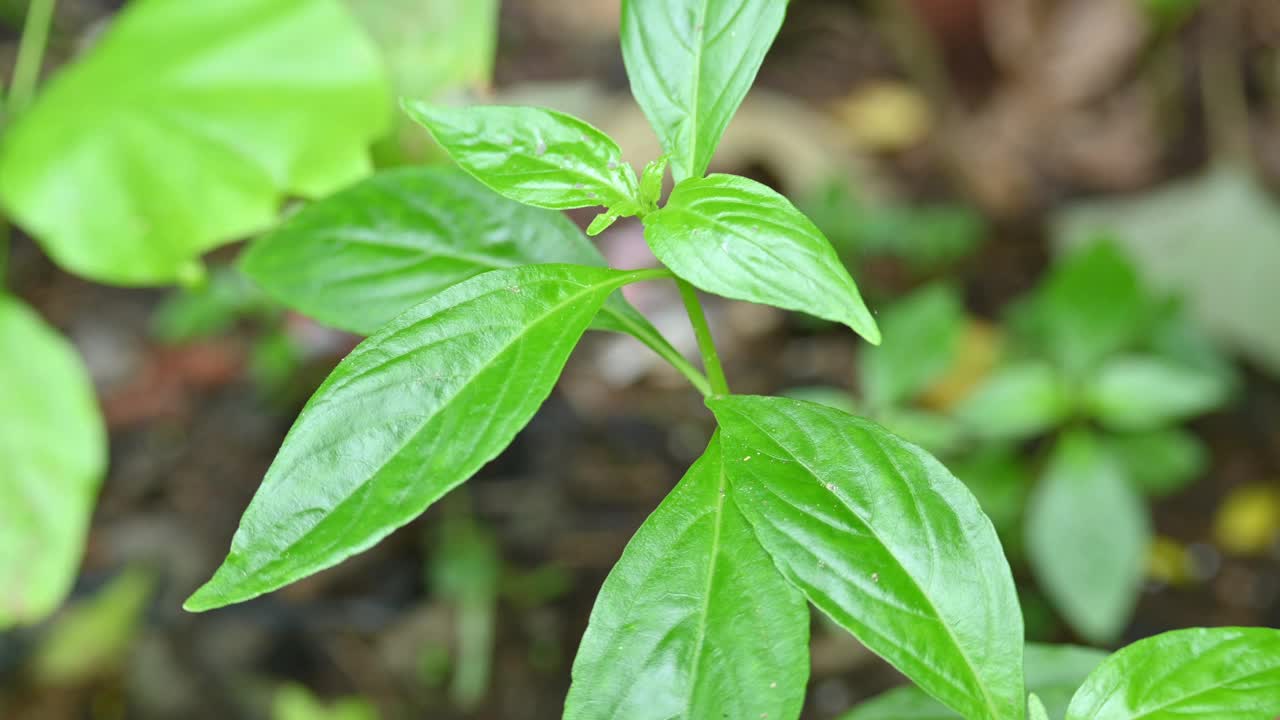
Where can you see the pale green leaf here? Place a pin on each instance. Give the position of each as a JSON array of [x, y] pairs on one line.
[[1160, 462], [691, 63], [921, 333], [535, 156], [93, 636], [1220, 673], [183, 127], [1053, 673], [1142, 392], [884, 540], [55, 452], [1089, 307], [415, 410], [1210, 239], [667, 636], [1087, 534], [1036, 709], [1017, 401], [433, 49], [735, 237]]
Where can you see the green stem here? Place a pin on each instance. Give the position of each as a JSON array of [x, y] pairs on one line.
[[706, 344], [26, 70], [650, 336]]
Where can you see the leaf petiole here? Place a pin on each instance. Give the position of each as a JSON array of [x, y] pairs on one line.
[[26, 70], [706, 344]]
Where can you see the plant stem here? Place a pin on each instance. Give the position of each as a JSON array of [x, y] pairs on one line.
[[1226, 106], [706, 345], [657, 343], [26, 70]]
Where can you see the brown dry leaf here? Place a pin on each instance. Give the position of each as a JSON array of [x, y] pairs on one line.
[[977, 353]]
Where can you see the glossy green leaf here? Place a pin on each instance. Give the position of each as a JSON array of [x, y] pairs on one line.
[[1017, 401], [55, 453], [1219, 673], [1053, 673], [921, 333], [535, 156], [1087, 534], [884, 540], [415, 410], [667, 637], [1142, 392], [1160, 462], [1090, 307], [363, 256], [183, 127], [691, 63], [735, 237]]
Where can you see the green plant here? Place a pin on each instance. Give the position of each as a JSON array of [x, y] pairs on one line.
[[474, 304], [1109, 371]]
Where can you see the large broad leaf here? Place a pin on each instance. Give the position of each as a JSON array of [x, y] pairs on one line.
[[1087, 534], [878, 535], [669, 636], [536, 156], [185, 125], [1053, 673], [54, 449], [1017, 401], [1090, 307], [415, 410], [1219, 673], [921, 337], [691, 63], [735, 237], [1143, 392], [359, 258]]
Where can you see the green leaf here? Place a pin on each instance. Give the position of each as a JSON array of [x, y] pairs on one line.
[[415, 410], [651, 183], [1219, 673], [935, 432], [1141, 392], [1160, 462], [997, 478], [1210, 239], [294, 702], [691, 62], [1090, 307], [880, 537], [55, 452], [363, 256], [203, 115], [1035, 708], [666, 637], [1017, 401], [535, 156], [735, 237], [1087, 534], [921, 333], [433, 49], [93, 637], [1053, 672]]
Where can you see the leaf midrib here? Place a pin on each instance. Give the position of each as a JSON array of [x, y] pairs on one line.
[[695, 87], [986, 696], [617, 280], [705, 611]]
